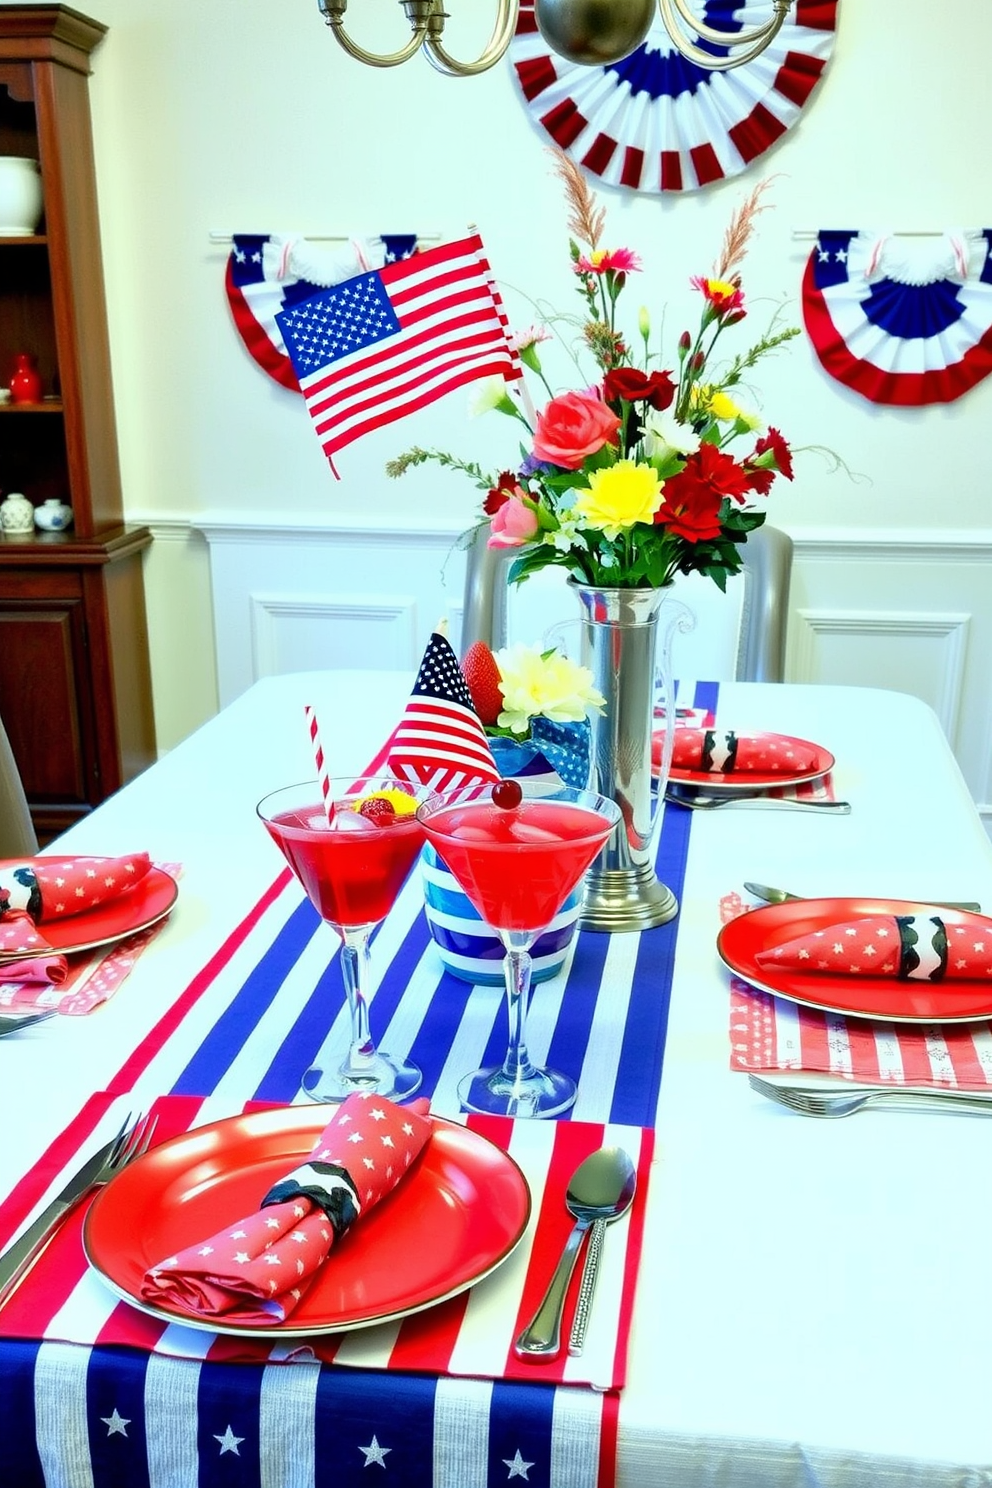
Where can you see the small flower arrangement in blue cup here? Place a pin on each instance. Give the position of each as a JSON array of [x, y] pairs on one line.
[[533, 705]]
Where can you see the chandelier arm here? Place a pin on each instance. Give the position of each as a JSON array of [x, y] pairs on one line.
[[735, 39], [735, 58], [333, 13], [496, 47]]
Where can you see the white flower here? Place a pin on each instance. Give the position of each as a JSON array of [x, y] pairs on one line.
[[664, 435], [490, 393], [536, 683], [532, 336], [563, 536]]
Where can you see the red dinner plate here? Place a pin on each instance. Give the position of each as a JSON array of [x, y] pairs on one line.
[[150, 900], [716, 782], [881, 998], [447, 1225]]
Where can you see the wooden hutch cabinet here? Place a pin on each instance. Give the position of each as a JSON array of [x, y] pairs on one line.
[[75, 686]]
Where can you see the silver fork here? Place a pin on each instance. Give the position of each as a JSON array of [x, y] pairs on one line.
[[131, 1141], [697, 800], [14, 1022], [846, 1103]]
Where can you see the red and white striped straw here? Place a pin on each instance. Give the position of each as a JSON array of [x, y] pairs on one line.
[[323, 777]]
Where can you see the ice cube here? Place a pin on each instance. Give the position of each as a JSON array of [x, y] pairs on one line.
[[350, 821], [525, 831]]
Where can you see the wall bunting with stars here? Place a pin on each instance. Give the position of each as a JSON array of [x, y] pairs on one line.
[[270, 273], [902, 319], [655, 122]]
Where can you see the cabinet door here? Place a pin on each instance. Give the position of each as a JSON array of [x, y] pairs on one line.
[[45, 701]]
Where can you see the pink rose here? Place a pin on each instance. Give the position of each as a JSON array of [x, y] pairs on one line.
[[512, 525], [572, 427]]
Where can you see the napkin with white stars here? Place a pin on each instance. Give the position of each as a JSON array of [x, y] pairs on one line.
[[725, 752], [41, 890], [257, 1268], [908, 947]]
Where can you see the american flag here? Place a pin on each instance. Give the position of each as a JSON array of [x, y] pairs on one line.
[[381, 345], [439, 740]]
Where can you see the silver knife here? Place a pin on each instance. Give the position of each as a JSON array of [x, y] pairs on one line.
[[17, 1259], [782, 896]]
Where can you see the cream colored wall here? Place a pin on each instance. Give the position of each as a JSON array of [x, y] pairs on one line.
[[241, 115]]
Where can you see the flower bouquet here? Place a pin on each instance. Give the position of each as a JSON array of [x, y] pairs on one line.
[[633, 477], [534, 707]]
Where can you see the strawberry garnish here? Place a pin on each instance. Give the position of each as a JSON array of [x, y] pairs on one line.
[[482, 675], [377, 809]]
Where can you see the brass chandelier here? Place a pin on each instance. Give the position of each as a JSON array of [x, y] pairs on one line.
[[591, 32]]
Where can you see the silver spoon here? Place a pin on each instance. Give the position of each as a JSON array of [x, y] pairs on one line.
[[696, 801], [590, 1270], [602, 1187], [783, 896]]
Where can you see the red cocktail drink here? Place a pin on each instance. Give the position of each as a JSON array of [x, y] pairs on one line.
[[518, 853], [518, 865], [352, 867]]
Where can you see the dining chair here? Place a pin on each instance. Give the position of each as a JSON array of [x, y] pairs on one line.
[[17, 834], [739, 635]]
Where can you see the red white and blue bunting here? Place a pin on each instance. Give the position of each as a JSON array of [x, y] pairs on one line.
[[654, 122], [272, 272], [899, 319]]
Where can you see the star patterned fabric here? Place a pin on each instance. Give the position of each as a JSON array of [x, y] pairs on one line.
[[54, 888], [906, 947], [257, 1268], [41, 890], [727, 753]]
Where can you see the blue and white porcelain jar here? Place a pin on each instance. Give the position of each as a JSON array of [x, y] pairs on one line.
[[468, 948]]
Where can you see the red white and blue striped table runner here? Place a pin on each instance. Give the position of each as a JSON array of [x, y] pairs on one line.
[[244, 1029]]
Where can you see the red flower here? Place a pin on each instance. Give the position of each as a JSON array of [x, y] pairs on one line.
[[655, 388], [783, 455], [771, 456], [603, 261], [694, 497], [505, 487], [725, 296], [691, 508], [573, 426]]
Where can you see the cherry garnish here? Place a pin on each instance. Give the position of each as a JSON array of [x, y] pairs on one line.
[[507, 794]]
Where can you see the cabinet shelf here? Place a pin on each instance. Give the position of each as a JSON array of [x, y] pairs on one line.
[[50, 405], [75, 678]]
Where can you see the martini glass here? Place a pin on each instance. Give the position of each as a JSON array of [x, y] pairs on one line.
[[518, 852], [352, 870]]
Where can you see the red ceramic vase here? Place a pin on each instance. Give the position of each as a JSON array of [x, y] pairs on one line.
[[25, 385]]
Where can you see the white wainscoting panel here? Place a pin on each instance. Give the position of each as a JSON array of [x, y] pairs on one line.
[[295, 596], [910, 612], [917, 653], [310, 632]]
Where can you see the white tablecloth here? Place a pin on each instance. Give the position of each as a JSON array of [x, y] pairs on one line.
[[811, 1301]]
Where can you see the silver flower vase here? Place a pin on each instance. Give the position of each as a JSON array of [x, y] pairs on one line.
[[627, 642]]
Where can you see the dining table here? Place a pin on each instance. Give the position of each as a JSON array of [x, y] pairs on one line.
[[800, 1301]]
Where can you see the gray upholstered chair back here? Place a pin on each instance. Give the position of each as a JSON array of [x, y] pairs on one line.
[[17, 834], [763, 610]]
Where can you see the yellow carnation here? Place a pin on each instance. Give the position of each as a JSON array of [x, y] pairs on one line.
[[722, 406], [619, 497]]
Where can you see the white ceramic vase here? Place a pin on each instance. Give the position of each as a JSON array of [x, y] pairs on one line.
[[20, 196], [16, 514], [53, 515]]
